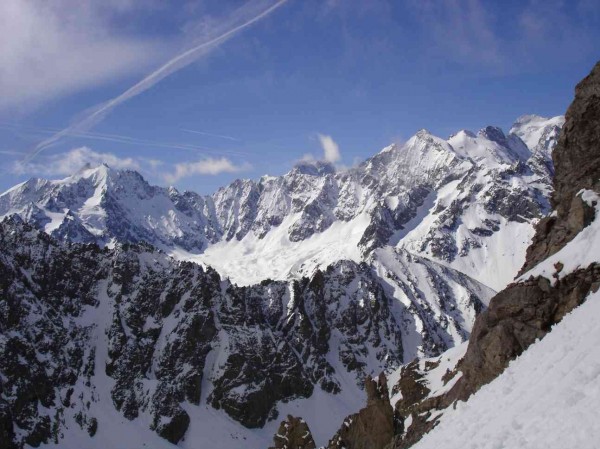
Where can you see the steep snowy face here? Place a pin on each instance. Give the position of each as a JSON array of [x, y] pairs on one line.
[[425, 160], [481, 222], [105, 206], [127, 338], [564, 363], [540, 134], [468, 202]]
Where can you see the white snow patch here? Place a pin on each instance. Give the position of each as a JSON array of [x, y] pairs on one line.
[[547, 398], [433, 378], [580, 252], [252, 259], [530, 128]]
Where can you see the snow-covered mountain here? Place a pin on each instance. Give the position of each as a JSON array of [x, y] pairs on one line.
[[94, 338], [320, 278], [528, 376], [548, 393], [468, 202]]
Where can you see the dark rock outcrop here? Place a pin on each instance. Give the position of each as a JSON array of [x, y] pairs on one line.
[[293, 433], [525, 311], [516, 318], [373, 426], [577, 166]]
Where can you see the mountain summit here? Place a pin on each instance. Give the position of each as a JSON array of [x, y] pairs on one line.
[[306, 284], [455, 201]]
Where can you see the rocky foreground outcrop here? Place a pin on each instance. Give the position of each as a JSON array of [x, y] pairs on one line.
[[373, 426], [293, 433], [526, 310], [577, 166]]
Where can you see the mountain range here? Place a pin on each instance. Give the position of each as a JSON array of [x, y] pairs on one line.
[[467, 202], [528, 376], [173, 318]]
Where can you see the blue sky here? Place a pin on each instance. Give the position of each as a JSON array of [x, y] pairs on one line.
[[266, 83]]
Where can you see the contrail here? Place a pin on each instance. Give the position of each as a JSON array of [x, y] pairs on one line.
[[175, 64], [204, 133], [10, 152], [121, 139]]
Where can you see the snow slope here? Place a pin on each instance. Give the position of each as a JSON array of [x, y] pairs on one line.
[[252, 259], [469, 202], [547, 398], [538, 133], [580, 252]]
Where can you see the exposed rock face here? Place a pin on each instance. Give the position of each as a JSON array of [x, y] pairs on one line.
[[373, 426], [293, 433], [82, 327], [577, 165], [524, 311], [516, 318]]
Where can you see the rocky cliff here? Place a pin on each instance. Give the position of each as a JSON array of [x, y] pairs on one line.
[[577, 167], [527, 309], [558, 275], [91, 335]]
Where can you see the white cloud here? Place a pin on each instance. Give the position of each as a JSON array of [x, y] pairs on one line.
[[68, 163], [474, 33], [213, 36], [64, 164], [208, 166], [331, 150], [461, 28], [48, 49]]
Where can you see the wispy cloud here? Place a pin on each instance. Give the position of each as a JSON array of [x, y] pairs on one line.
[[10, 152], [53, 48], [556, 27], [331, 150], [69, 162], [461, 28], [208, 166], [204, 133], [239, 21], [474, 33], [64, 164], [119, 138]]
